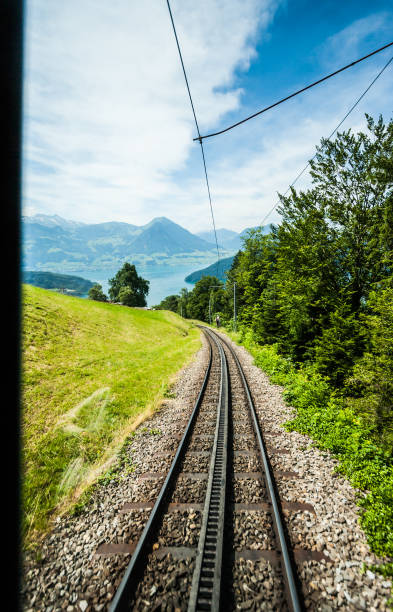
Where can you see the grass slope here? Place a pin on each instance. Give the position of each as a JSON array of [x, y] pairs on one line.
[[91, 372]]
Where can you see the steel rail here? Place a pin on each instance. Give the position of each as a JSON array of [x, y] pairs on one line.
[[294, 599], [206, 583], [127, 587]]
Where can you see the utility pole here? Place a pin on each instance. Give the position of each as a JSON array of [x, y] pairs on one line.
[[210, 297], [234, 306]]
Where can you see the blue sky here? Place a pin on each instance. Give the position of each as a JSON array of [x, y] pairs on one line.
[[108, 127]]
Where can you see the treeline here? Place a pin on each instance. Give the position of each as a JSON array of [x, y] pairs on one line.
[[319, 287], [203, 302]]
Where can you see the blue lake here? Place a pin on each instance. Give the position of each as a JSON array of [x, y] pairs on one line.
[[164, 279]]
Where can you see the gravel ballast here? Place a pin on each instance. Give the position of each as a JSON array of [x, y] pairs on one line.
[[338, 582], [73, 573]]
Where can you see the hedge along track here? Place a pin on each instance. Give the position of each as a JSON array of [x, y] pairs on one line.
[[210, 569]]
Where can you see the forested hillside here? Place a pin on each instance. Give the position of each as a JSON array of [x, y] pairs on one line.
[[315, 307], [60, 282], [320, 286], [219, 268]]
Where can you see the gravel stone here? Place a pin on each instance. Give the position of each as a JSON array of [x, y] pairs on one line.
[[339, 581], [67, 573]]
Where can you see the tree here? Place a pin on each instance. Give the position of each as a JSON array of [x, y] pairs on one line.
[[307, 275], [206, 298], [307, 285], [171, 302], [127, 296], [183, 302], [175, 303], [137, 287], [96, 293], [253, 271], [353, 177], [371, 385]]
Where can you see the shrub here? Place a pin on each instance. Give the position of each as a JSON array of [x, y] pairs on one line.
[[336, 427]]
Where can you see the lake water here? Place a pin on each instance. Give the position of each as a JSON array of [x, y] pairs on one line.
[[164, 279]]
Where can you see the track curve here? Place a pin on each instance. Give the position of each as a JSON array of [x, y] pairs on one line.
[[223, 419]]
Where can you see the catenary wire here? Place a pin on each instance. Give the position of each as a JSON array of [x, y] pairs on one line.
[[329, 137], [199, 134], [200, 138]]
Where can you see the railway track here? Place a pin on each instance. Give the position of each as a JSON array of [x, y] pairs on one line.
[[220, 479]]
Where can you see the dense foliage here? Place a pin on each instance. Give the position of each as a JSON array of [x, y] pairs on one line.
[[326, 418], [202, 303], [314, 301], [96, 293], [319, 287], [127, 287], [171, 302]]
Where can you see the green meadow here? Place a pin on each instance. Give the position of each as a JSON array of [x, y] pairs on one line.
[[91, 373]]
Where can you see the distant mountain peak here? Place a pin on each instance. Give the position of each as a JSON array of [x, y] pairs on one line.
[[161, 220], [51, 221]]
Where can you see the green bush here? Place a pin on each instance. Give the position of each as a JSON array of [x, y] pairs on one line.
[[370, 386], [335, 427]]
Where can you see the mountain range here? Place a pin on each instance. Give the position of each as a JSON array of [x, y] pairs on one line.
[[51, 243], [228, 239]]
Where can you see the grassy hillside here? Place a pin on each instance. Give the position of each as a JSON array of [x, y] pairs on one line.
[[91, 372]]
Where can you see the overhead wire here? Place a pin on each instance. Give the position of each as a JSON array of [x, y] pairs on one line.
[[329, 137], [200, 138], [199, 134], [296, 93]]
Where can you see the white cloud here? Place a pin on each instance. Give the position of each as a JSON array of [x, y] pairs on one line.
[[345, 45], [245, 186], [108, 112], [105, 101]]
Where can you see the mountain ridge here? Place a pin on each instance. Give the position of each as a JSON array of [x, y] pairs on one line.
[[228, 239], [217, 269], [224, 264], [53, 243]]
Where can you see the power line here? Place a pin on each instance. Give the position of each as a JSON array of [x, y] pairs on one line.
[[329, 137], [200, 138], [199, 134]]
